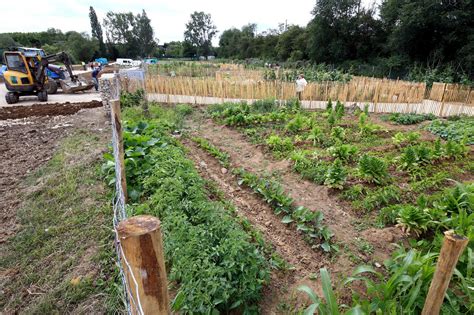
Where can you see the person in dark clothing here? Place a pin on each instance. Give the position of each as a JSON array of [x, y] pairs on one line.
[[95, 79]]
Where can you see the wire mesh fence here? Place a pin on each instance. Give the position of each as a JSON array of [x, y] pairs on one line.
[[110, 91]]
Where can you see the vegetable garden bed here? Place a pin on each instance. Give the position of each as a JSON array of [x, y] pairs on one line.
[[340, 186]]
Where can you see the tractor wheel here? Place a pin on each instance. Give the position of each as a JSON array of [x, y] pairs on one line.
[[42, 96], [11, 98], [51, 87]]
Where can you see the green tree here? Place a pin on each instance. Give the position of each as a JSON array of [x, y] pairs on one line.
[[199, 33], [173, 49], [96, 30], [292, 43], [6, 43], [144, 34], [229, 43], [247, 47], [429, 31], [81, 47]]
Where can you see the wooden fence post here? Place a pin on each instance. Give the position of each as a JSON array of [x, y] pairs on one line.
[[452, 248], [116, 116], [142, 247]]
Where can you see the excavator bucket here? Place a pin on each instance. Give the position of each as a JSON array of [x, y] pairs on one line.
[[68, 86]]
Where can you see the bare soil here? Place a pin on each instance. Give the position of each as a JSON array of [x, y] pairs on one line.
[[28, 143], [16, 112]]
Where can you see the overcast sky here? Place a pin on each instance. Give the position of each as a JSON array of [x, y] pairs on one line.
[[168, 18]]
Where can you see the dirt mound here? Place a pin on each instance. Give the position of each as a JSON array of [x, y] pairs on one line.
[[56, 109]]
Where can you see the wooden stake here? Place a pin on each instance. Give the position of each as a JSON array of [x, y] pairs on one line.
[[142, 246], [452, 248], [116, 116]]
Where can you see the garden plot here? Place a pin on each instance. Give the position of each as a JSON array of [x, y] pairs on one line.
[[365, 177], [289, 195]]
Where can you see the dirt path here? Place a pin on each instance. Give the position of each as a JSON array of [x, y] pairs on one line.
[[28, 143]]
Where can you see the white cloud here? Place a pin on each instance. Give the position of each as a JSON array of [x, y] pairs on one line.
[[168, 18]]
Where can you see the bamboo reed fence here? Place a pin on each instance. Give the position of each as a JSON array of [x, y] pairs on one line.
[[357, 90], [382, 95]]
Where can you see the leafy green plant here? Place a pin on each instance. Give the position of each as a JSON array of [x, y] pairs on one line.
[[413, 219], [403, 138], [404, 291], [221, 156], [312, 169], [279, 145], [139, 139], [316, 135], [455, 150], [338, 134], [298, 123], [336, 175], [366, 109], [373, 169], [131, 99], [332, 119], [367, 128], [354, 192], [409, 119], [329, 106], [307, 221], [456, 130], [345, 152], [339, 110], [380, 197]]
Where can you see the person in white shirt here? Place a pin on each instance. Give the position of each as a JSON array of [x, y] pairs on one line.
[[300, 85]]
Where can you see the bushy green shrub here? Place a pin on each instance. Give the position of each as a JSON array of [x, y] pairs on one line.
[[131, 99]]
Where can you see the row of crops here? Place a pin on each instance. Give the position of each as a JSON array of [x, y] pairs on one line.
[[411, 179], [217, 262]]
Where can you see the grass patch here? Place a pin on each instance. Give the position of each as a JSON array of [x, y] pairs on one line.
[[62, 259]]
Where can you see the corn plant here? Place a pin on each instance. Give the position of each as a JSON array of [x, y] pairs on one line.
[[329, 305], [316, 135], [404, 292]]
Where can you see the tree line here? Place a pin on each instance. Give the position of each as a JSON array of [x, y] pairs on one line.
[[119, 35], [416, 39], [388, 40]]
